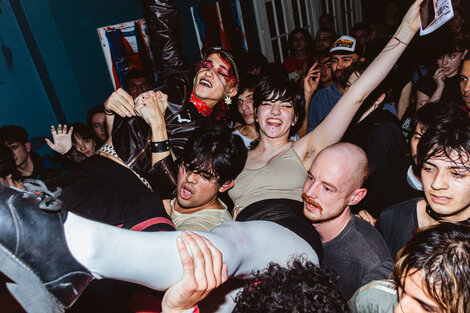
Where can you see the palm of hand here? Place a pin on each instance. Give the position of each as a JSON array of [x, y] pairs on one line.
[[63, 142]]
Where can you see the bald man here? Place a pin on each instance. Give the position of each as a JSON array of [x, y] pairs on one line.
[[354, 249], [351, 247]]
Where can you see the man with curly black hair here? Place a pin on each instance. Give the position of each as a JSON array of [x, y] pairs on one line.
[[300, 288], [431, 275]]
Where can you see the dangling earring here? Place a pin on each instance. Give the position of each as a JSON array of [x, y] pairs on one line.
[[228, 100], [194, 81]]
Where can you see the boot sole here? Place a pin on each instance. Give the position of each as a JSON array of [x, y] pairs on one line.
[[26, 287]]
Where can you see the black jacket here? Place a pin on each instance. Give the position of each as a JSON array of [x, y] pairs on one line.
[[131, 136]]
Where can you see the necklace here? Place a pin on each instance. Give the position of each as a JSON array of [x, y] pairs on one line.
[[200, 105], [438, 218]]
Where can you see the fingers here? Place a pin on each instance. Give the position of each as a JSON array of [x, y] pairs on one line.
[[314, 67], [61, 130], [49, 143], [202, 263], [121, 103], [53, 131], [186, 259], [314, 72], [217, 263], [163, 101], [209, 270], [365, 215]]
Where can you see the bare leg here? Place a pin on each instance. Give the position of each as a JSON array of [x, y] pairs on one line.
[[152, 259]]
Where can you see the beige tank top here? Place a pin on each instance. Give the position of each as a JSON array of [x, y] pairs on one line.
[[282, 178]]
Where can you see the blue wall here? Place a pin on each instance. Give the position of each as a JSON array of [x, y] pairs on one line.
[[52, 68]]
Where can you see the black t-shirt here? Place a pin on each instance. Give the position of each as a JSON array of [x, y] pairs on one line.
[[397, 223], [380, 137], [359, 255], [388, 186], [451, 92]]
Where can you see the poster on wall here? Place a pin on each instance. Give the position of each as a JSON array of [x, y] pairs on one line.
[[220, 24], [126, 47]]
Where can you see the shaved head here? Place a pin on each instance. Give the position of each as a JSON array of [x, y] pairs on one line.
[[352, 158], [334, 183]]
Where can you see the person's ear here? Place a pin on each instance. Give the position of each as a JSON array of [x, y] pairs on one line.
[[464, 53], [294, 121], [233, 91], [362, 59], [27, 145], [357, 196], [226, 186], [380, 99]]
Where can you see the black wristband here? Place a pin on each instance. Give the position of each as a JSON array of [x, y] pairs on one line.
[[159, 146]]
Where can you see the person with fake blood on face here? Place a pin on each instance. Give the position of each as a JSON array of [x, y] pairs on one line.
[[215, 81]]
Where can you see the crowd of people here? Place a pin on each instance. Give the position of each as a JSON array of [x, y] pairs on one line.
[[337, 183]]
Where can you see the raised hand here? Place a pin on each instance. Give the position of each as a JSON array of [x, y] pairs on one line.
[[151, 106], [312, 80], [203, 272], [411, 18], [121, 103], [62, 139], [439, 78]]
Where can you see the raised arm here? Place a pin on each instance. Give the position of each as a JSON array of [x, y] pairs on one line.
[[333, 127], [311, 82], [162, 24]]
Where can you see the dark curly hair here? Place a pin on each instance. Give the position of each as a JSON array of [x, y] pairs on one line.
[[442, 254], [300, 288], [447, 140], [213, 150]]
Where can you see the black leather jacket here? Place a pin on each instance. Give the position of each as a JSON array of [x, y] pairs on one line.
[[131, 136]]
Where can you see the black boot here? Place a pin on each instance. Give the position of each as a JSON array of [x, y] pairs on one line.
[[33, 252]]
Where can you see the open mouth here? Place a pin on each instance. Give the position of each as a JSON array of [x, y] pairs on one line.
[[274, 122], [205, 82], [466, 97], [185, 192]]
